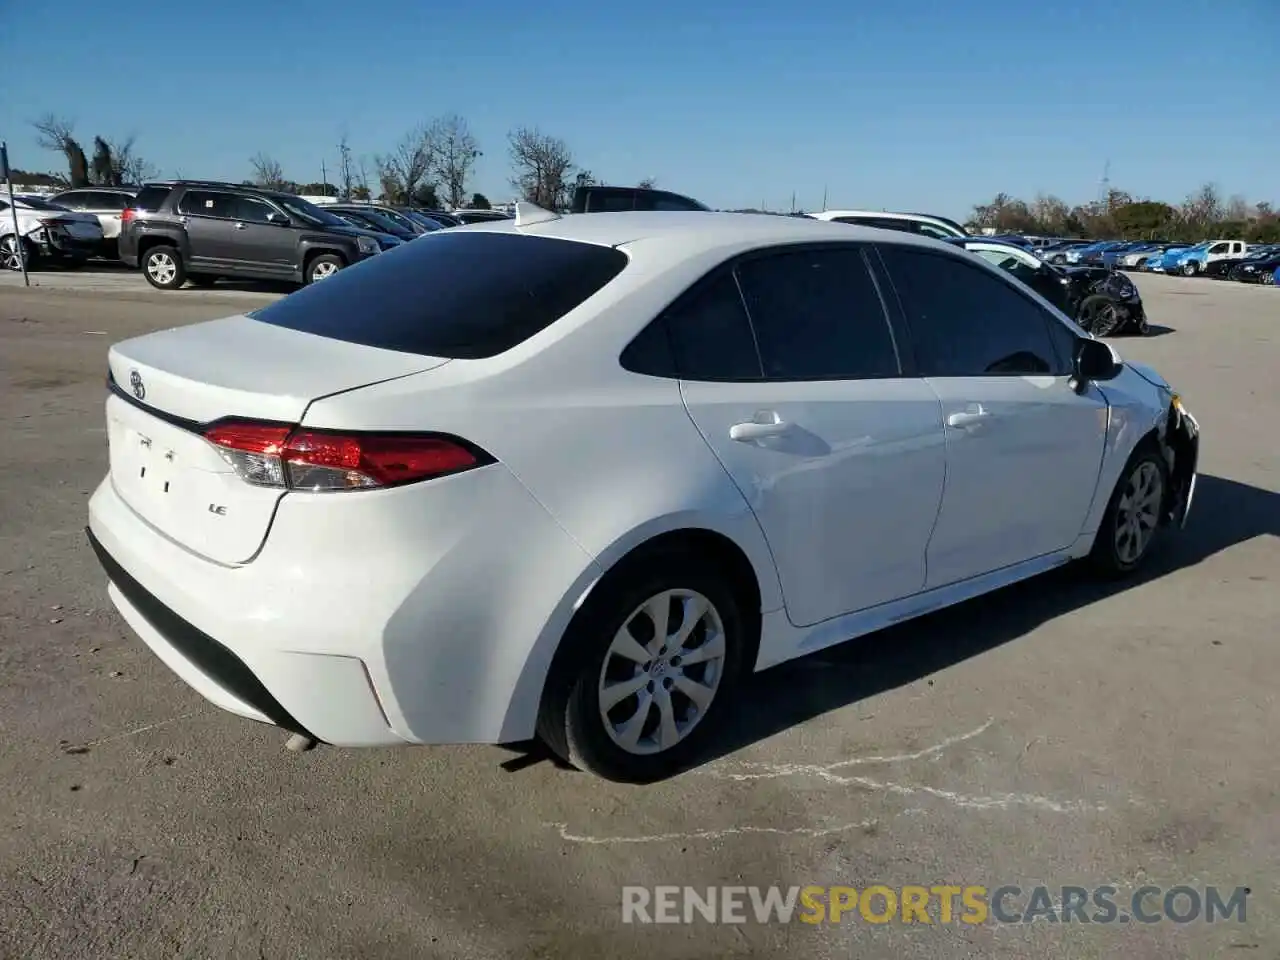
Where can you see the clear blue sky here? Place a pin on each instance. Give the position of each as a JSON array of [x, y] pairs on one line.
[[924, 105]]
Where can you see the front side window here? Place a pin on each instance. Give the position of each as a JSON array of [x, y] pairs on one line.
[[252, 210], [817, 315], [967, 323]]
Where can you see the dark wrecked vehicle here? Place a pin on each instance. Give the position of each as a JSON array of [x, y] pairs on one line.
[[1101, 299]]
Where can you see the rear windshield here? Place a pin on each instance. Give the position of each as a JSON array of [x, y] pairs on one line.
[[451, 294], [149, 199]]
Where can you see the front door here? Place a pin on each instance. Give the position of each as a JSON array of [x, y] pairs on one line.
[[803, 400], [259, 245], [1024, 450]]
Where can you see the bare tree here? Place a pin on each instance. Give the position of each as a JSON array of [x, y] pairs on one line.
[[541, 166], [648, 183], [1050, 214], [456, 152], [267, 171], [1237, 209], [57, 133], [346, 172], [128, 167], [404, 171], [1203, 207]]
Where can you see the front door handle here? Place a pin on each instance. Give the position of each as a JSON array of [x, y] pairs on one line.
[[967, 418], [238, 225], [747, 432]]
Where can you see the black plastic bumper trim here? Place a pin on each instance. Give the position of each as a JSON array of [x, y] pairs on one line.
[[209, 656]]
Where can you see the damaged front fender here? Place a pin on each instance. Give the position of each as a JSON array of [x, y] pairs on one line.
[[1180, 442]]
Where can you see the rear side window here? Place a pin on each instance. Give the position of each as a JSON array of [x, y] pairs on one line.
[[818, 316], [150, 199], [449, 294], [207, 203], [710, 333]]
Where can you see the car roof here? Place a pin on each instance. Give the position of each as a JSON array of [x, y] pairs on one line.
[[697, 230]]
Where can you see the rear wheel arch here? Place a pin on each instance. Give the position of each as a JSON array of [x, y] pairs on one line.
[[717, 549]]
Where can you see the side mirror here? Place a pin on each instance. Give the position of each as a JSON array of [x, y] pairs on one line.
[[279, 219], [1094, 361]]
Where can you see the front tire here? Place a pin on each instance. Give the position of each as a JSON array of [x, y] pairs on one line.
[[163, 268], [1099, 315], [649, 663], [1134, 515], [323, 267], [11, 247], [1190, 268]]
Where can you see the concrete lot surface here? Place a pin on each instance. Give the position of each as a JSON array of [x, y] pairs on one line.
[[1056, 733]]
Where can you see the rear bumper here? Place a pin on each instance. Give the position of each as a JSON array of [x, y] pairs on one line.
[[195, 656], [378, 618]]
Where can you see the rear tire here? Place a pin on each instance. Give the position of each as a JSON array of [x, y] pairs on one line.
[[323, 267], [1190, 268], [1135, 514], [604, 657], [163, 267]]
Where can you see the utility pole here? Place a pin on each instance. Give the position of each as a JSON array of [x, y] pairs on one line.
[[324, 178], [1104, 185], [793, 201], [824, 197], [18, 249]]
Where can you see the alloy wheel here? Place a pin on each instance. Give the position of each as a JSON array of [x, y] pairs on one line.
[[323, 269], [161, 268], [662, 671], [10, 257], [1138, 512]]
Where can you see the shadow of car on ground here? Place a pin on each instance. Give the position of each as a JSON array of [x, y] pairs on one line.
[[1225, 513]]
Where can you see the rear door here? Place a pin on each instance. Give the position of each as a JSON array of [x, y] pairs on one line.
[[206, 215], [802, 397], [1024, 450]]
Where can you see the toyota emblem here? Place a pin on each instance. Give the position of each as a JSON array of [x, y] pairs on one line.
[[135, 381]]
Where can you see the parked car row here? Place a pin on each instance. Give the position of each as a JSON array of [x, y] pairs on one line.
[[1220, 259], [199, 231]]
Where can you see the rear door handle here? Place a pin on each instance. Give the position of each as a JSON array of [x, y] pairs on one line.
[[747, 432], [967, 418]]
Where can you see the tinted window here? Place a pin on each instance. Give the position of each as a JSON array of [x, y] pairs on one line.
[[929, 230], [965, 322], [600, 202], [150, 199], [710, 334], [250, 209], [72, 201], [452, 294], [817, 316], [207, 203]]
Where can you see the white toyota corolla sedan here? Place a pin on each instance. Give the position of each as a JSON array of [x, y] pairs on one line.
[[575, 476]]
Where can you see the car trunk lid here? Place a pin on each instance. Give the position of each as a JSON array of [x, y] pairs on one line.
[[168, 387]]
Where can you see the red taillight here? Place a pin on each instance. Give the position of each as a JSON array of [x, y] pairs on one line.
[[126, 214], [279, 456]]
